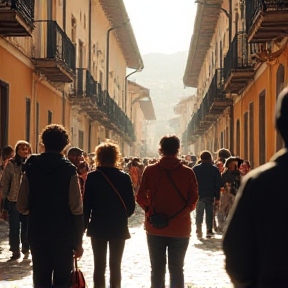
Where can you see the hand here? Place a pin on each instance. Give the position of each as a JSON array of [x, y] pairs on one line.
[[78, 251]]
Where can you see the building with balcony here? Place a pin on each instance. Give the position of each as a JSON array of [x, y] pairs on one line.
[[185, 109], [238, 61], [65, 62], [142, 117]]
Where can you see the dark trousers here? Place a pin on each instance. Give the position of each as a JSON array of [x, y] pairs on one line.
[[177, 248], [15, 219], [208, 207], [116, 248], [52, 264]]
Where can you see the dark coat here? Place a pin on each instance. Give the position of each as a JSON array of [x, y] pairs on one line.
[[209, 181], [49, 200], [104, 213], [255, 242]]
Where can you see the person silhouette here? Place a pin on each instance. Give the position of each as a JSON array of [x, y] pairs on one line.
[[255, 256]]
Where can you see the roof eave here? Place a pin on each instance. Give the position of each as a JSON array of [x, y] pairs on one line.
[[116, 13], [196, 56]]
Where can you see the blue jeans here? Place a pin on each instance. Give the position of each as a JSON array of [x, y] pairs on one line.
[[208, 207], [14, 219], [177, 247]]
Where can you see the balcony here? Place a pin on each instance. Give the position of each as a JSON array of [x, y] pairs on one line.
[[238, 65], [16, 18], [54, 54], [266, 19], [197, 127], [215, 101], [84, 91], [102, 108]]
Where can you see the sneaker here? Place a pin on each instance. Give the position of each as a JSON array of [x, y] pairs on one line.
[[209, 234], [15, 255]]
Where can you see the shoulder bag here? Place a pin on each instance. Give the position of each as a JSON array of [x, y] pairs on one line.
[[157, 220]]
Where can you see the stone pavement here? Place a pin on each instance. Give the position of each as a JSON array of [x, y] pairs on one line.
[[204, 262]]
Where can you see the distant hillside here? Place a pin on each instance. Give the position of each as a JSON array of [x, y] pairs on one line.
[[163, 74]]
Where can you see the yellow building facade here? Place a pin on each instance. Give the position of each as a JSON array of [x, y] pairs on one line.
[[239, 65], [65, 62]]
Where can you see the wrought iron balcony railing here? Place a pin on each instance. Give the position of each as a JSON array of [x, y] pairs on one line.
[[86, 86], [266, 19], [57, 57], [238, 64], [16, 17]]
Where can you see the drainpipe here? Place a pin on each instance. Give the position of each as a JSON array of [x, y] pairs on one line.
[[90, 37], [107, 51], [126, 83], [64, 15], [230, 16]]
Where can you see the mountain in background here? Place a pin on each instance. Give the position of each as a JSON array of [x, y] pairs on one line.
[[162, 75]]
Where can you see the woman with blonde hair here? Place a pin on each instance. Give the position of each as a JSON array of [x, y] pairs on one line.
[[11, 181], [108, 202]]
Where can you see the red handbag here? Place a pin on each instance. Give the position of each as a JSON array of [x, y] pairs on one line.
[[77, 279]]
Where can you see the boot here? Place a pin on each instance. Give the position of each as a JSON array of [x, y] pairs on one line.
[[15, 255], [199, 231]]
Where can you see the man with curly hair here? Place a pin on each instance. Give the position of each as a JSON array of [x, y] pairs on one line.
[[50, 194]]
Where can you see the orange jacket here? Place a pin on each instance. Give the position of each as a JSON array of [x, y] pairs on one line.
[[155, 184]]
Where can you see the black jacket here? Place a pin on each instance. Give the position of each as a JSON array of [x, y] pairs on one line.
[[103, 207], [255, 242], [50, 193], [209, 181]]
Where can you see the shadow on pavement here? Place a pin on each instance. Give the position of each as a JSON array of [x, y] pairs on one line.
[[15, 270], [212, 244], [137, 219]]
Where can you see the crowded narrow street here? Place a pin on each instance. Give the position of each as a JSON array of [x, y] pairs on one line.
[[204, 262]]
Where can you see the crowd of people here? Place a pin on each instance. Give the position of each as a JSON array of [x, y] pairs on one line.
[[50, 199]]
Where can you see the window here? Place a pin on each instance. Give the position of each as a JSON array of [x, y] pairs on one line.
[[37, 126], [81, 139], [28, 115], [238, 137], [251, 132], [246, 136], [4, 97], [262, 130], [49, 117], [73, 29]]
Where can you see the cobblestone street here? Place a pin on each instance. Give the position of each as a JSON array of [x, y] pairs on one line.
[[204, 265]]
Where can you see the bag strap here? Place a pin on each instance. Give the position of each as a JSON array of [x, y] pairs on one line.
[[113, 189], [174, 185], [176, 188]]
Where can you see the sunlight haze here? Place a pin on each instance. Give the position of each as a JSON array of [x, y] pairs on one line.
[[162, 26]]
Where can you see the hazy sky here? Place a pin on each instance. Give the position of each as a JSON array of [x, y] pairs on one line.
[[164, 26]]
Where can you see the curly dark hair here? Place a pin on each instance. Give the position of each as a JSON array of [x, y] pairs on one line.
[[169, 145], [55, 138], [107, 154]]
